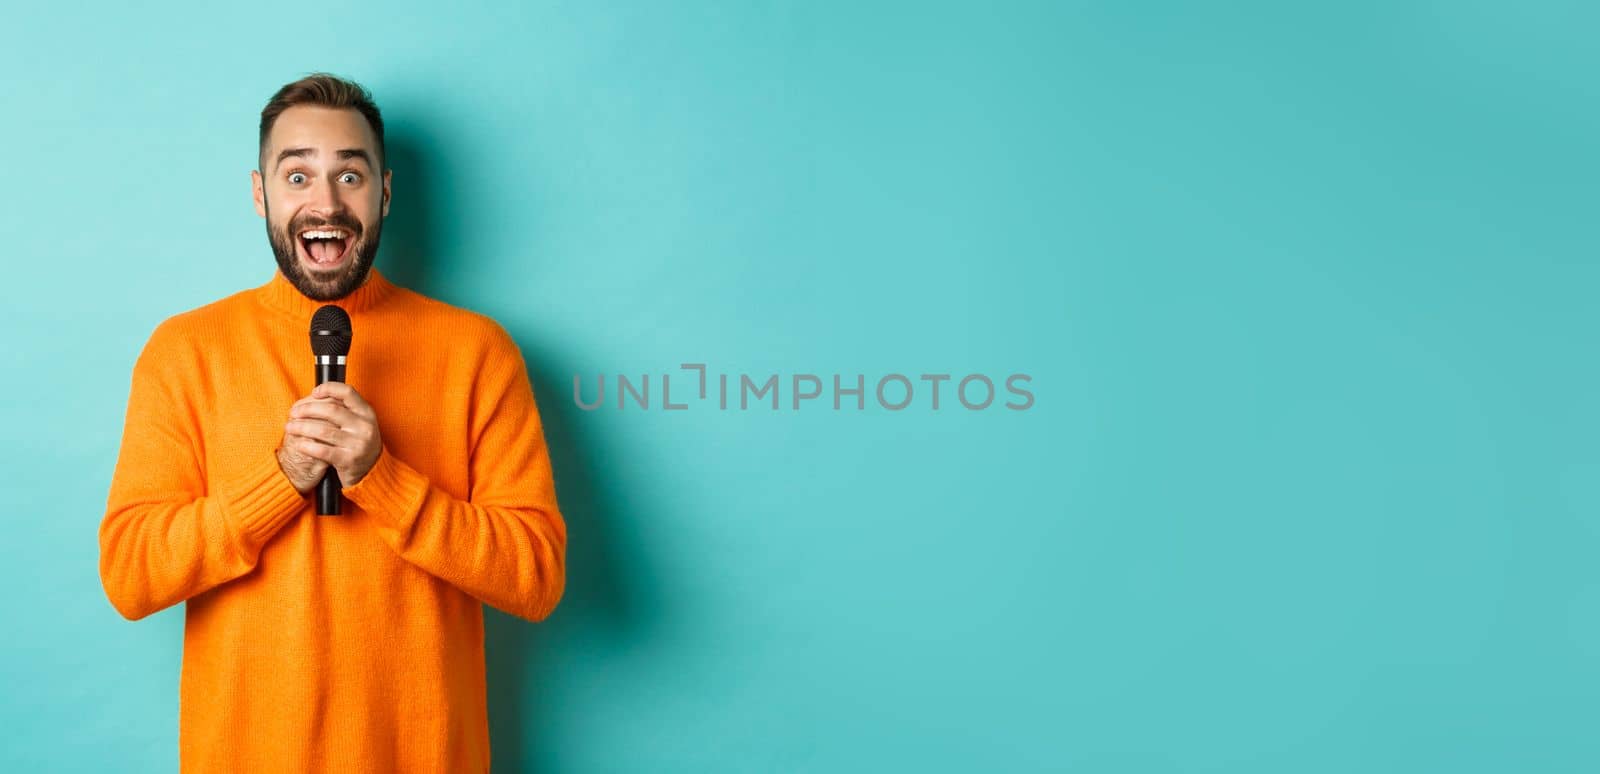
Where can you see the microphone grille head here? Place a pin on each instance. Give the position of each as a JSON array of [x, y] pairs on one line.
[[330, 331]]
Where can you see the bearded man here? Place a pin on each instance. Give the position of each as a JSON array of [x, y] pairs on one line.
[[349, 642]]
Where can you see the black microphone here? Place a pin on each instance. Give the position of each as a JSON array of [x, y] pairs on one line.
[[330, 342]]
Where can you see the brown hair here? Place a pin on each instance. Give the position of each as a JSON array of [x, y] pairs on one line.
[[324, 90]]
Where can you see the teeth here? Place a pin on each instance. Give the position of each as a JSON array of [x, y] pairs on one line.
[[322, 234]]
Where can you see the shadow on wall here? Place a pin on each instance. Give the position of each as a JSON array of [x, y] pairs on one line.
[[598, 612]]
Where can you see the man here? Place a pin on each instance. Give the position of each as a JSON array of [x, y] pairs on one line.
[[339, 643]]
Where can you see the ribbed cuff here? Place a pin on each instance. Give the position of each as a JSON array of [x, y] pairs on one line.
[[392, 491], [258, 502]]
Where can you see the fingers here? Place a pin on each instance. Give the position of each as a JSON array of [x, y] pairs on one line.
[[322, 435], [315, 429], [330, 423], [333, 455], [345, 394], [324, 409], [309, 449]]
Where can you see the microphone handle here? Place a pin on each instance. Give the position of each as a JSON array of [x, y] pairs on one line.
[[329, 369]]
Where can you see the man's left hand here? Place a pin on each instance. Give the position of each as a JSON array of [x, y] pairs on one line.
[[336, 425]]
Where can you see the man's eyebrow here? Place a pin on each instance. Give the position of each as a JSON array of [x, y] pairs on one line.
[[356, 153], [288, 152], [345, 153]]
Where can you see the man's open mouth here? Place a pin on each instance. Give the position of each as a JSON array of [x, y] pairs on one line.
[[325, 247]]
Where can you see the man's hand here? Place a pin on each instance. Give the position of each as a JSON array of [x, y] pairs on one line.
[[302, 471], [336, 426]]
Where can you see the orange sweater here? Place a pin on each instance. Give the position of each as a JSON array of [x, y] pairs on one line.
[[349, 643]]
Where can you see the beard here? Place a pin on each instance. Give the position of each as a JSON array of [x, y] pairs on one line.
[[324, 285]]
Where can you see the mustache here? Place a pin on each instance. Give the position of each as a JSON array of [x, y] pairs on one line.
[[349, 224]]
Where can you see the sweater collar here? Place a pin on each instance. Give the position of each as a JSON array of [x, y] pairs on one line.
[[279, 293]]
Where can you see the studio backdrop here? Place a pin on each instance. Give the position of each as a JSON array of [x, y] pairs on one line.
[[1102, 387]]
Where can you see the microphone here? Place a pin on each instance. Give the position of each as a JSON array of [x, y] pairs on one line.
[[330, 343]]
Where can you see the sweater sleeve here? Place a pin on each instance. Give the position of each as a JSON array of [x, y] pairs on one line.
[[506, 543], [167, 536]]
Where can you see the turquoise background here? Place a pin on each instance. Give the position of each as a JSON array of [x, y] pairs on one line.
[[1310, 480]]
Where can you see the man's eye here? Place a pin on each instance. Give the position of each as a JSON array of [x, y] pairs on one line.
[[350, 177], [297, 177]]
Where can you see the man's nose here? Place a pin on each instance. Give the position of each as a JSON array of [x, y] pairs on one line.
[[325, 199]]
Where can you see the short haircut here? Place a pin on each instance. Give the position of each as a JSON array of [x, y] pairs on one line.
[[323, 90]]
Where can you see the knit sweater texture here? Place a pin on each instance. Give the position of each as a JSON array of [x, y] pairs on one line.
[[349, 643]]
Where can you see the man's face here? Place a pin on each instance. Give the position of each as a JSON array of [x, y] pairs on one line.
[[319, 189]]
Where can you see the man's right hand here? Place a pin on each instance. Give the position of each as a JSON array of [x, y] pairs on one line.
[[302, 471]]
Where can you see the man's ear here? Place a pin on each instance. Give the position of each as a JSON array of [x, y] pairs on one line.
[[258, 193], [387, 173]]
